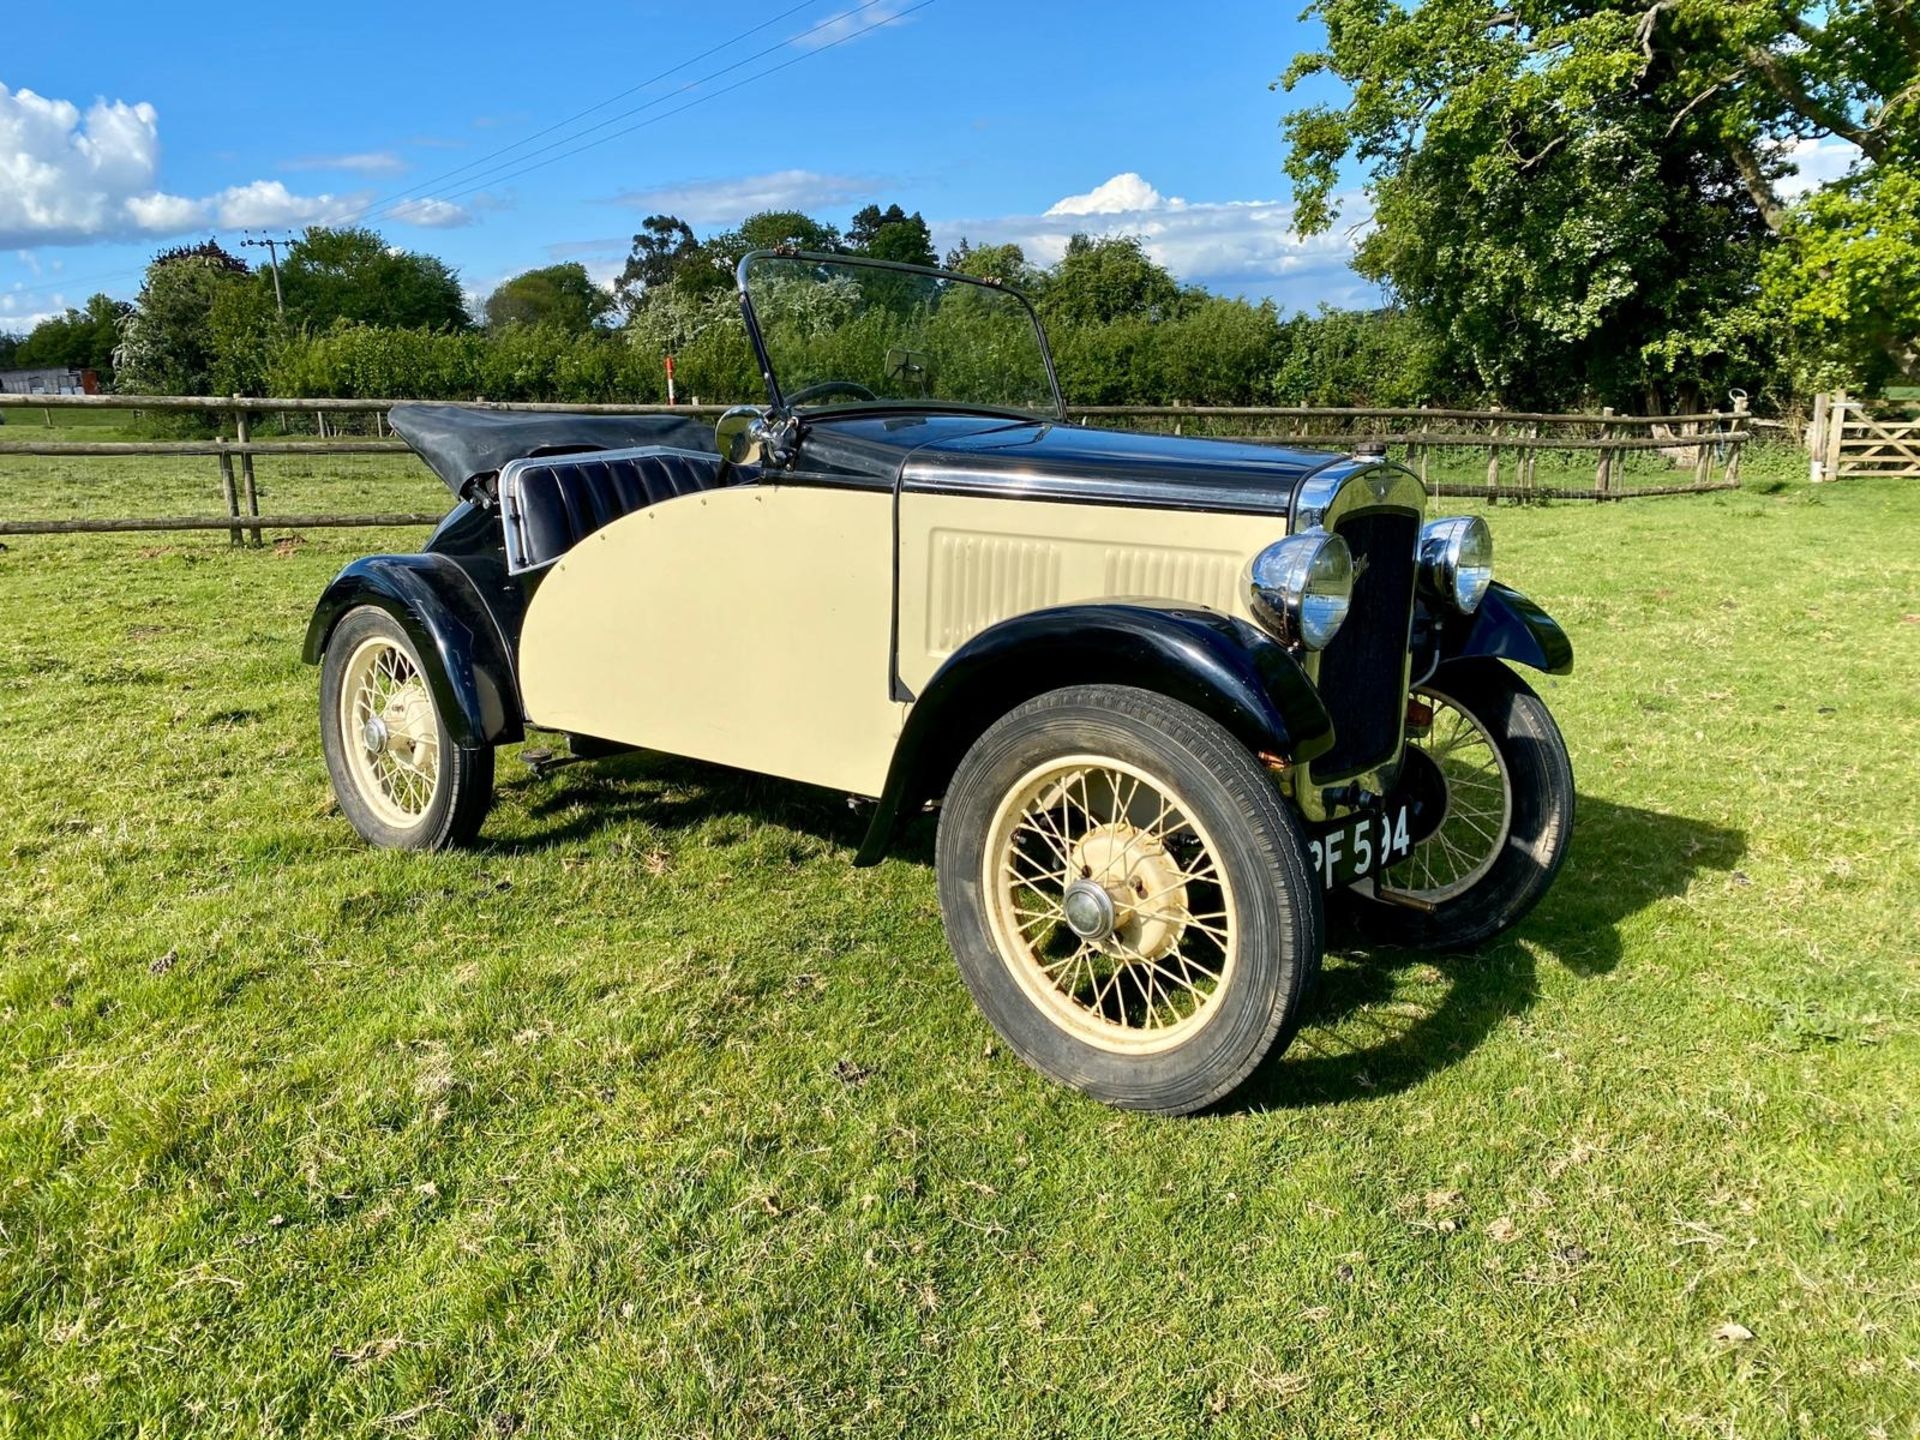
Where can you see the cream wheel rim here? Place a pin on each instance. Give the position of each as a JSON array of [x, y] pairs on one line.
[[1109, 905], [1478, 818], [389, 732]]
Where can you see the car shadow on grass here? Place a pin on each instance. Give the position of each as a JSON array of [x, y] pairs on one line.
[[1383, 1018], [576, 802]]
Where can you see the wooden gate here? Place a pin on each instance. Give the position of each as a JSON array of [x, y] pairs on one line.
[[1871, 439]]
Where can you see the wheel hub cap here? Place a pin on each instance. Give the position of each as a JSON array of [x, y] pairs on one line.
[[1141, 885], [1089, 910], [373, 735]]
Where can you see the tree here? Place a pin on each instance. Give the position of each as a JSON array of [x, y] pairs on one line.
[[1580, 197], [77, 340], [559, 295], [1005, 263], [768, 230], [352, 274], [1847, 278], [665, 244], [1102, 280], [891, 234], [167, 345]]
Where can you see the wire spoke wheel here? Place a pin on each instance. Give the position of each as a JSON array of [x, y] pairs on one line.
[[392, 738], [1108, 900], [1478, 818]]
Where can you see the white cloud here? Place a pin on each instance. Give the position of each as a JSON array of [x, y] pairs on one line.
[[70, 177], [1815, 163], [848, 23], [1243, 247], [160, 214], [728, 201], [267, 204], [1121, 194], [65, 176], [430, 213], [368, 162]]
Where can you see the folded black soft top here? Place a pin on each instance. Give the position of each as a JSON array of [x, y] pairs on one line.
[[462, 441]]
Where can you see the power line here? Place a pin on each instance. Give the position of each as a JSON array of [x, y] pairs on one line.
[[493, 175], [700, 100], [582, 114]]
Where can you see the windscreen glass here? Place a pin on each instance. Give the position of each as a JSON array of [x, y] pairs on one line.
[[840, 333]]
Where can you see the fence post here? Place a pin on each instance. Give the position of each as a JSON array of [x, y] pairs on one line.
[[1424, 448], [1815, 440], [1730, 475], [226, 488], [1836, 434], [1493, 456], [243, 430], [1603, 467]]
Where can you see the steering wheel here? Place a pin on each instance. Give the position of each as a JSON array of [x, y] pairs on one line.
[[831, 387]]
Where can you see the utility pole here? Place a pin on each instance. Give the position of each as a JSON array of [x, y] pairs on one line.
[[273, 264]]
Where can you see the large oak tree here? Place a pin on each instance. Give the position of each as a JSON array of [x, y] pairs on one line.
[[1584, 197]]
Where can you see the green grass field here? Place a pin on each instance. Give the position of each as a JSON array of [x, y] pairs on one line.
[[650, 1116]]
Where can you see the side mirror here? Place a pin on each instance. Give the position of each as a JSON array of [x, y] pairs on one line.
[[735, 435]]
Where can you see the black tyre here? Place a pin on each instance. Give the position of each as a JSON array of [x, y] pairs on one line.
[[1128, 897], [399, 778], [1509, 813]]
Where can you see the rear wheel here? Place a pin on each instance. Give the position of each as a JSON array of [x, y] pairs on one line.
[[399, 777], [1129, 900], [1508, 815]]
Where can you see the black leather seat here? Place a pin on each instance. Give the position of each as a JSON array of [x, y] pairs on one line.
[[550, 504]]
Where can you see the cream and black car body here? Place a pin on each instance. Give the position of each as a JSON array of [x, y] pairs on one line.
[[1172, 697]]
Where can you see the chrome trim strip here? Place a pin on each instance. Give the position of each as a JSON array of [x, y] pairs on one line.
[[1323, 500], [1010, 483], [1387, 486]]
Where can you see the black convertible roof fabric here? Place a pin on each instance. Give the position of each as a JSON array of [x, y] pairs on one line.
[[461, 441]]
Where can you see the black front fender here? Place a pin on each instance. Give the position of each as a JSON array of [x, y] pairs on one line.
[[1221, 666], [1507, 626], [468, 666]]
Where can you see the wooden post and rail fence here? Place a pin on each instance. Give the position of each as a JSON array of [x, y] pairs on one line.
[[1701, 451]]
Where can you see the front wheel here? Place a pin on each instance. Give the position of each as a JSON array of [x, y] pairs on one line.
[[397, 773], [1128, 898], [1506, 821]]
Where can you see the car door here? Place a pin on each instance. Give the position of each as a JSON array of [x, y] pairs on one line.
[[748, 625]]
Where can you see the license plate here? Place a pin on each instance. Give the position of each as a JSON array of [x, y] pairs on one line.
[[1360, 845]]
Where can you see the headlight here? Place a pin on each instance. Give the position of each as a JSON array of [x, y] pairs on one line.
[[1299, 587], [1456, 560]]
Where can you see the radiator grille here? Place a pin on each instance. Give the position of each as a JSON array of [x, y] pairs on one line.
[[1363, 670]]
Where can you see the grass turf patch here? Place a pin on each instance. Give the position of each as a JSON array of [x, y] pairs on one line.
[[650, 1116]]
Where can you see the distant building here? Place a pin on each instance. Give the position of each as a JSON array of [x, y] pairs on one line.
[[49, 382]]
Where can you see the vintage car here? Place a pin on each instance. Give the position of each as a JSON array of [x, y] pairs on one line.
[[1171, 696]]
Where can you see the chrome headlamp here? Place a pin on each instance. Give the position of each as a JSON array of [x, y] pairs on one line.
[[1456, 560], [1299, 587]]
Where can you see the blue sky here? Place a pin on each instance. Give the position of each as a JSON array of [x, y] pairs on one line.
[[147, 125], [125, 127]]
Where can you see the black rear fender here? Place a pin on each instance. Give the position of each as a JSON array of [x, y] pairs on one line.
[[1221, 666], [468, 666]]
